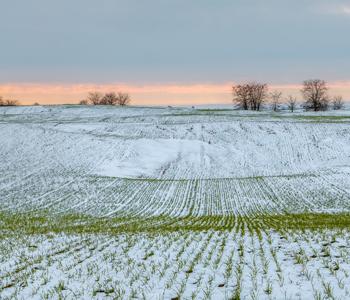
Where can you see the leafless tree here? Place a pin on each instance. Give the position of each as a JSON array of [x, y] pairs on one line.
[[315, 92], [275, 99], [12, 102], [83, 102], [123, 98], [338, 102], [94, 98], [8, 102], [258, 94], [292, 102], [109, 99], [36, 104], [250, 95], [241, 95]]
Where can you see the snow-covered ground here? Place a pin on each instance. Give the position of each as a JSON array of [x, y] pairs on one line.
[[213, 172]]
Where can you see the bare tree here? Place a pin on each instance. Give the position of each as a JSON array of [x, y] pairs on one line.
[[250, 95], [241, 95], [315, 92], [8, 102], [275, 99], [109, 99], [292, 102], [12, 102], [94, 98], [338, 102], [258, 94], [36, 104], [123, 98], [83, 102]]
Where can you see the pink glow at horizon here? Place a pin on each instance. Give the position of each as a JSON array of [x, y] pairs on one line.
[[150, 94]]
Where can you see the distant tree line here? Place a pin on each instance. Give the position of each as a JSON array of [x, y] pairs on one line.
[[112, 98], [8, 102], [252, 96]]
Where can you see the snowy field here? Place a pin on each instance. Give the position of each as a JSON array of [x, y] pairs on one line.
[[173, 203]]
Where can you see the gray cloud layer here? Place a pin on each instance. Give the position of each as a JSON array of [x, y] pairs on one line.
[[173, 40]]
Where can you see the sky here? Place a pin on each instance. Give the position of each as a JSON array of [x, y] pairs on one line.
[[169, 51]]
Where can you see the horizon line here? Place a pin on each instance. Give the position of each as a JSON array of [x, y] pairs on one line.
[[146, 94]]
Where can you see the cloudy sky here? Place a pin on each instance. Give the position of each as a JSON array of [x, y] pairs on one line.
[[169, 51]]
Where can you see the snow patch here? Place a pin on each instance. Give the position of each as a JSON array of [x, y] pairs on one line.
[[151, 157]]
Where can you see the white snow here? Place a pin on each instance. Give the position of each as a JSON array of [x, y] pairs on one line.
[[177, 165], [147, 157]]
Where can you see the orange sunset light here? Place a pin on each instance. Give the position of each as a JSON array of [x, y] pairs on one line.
[[152, 94]]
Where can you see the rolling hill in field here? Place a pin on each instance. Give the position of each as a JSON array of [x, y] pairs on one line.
[[161, 202]]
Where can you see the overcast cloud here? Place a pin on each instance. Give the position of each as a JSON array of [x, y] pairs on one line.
[[178, 41]]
